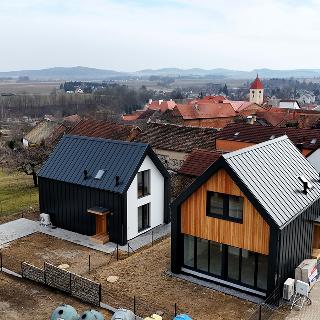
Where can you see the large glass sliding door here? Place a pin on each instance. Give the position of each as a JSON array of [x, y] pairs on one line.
[[225, 262]]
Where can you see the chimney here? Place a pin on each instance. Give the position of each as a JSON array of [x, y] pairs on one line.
[[306, 184], [117, 181], [85, 173], [160, 101], [250, 119], [150, 101]]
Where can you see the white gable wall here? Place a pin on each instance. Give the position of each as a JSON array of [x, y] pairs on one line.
[[156, 200]]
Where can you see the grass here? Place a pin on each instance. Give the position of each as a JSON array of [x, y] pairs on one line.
[[17, 193]]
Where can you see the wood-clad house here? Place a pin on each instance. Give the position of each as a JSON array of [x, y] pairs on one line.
[[247, 221], [111, 190]]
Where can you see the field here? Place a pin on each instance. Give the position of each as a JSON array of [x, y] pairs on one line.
[[17, 193], [30, 87]]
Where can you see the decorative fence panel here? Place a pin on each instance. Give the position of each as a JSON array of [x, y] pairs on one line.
[[33, 273]]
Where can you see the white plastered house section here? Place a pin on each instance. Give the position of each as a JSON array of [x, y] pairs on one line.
[[155, 198]]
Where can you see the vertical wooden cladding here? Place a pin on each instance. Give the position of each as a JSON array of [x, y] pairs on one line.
[[316, 236], [253, 234]]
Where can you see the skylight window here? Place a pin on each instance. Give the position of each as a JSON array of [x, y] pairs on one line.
[[313, 141], [99, 174], [272, 137], [237, 133]]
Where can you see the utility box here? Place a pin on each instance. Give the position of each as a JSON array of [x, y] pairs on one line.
[[288, 289], [307, 272]]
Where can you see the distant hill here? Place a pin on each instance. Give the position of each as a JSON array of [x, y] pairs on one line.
[[61, 73], [84, 73]]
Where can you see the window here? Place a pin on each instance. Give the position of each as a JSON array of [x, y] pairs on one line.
[[235, 207], [233, 263], [224, 206], [262, 271], [143, 183], [216, 203], [215, 258], [144, 217], [202, 254], [248, 263], [225, 262], [188, 251]]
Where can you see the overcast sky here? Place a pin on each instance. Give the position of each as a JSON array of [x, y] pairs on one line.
[[129, 35]]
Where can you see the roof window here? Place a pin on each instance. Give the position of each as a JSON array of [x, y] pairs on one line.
[[99, 174], [313, 141], [236, 134]]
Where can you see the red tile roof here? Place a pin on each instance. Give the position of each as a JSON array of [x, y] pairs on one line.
[[161, 105], [199, 161], [208, 99], [256, 84], [177, 138], [206, 111], [306, 138], [105, 129]]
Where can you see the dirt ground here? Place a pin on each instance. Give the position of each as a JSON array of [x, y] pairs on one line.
[[22, 299], [144, 275], [38, 248]]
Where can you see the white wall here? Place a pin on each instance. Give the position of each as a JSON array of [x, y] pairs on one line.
[[256, 96], [156, 200], [314, 159], [289, 105]]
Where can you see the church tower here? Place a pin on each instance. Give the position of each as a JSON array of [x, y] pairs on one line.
[[256, 91]]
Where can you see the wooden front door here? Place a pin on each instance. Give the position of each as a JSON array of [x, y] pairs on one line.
[[101, 224], [316, 236]]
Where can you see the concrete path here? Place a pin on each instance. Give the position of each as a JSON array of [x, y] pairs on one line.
[[17, 229], [311, 312], [23, 227]]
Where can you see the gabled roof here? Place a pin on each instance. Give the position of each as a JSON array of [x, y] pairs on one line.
[[44, 131], [306, 138], [74, 154], [105, 130], [199, 161], [177, 137], [206, 111], [267, 173], [256, 84]]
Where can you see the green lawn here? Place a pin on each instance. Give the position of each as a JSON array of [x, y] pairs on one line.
[[17, 193]]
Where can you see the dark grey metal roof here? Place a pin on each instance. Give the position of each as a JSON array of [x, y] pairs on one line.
[[270, 170], [74, 154]]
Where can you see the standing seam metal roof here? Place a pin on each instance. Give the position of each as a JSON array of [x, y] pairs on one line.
[[270, 171], [74, 154]]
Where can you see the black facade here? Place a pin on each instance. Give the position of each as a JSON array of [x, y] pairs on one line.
[[83, 173], [277, 194], [68, 203]]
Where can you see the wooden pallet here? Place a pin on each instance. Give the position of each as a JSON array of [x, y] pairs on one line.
[[100, 238]]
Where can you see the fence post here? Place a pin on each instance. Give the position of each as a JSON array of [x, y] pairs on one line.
[[152, 238], [70, 277], [44, 273], [175, 309], [117, 251], [134, 305], [260, 312], [100, 293], [89, 263], [128, 250], [1, 260]]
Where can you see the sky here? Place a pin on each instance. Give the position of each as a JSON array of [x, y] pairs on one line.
[[130, 35]]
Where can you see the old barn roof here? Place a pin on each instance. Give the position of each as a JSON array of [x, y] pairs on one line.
[[199, 161], [177, 138], [105, 130], [306, 138], [268, 174], [75, 154]]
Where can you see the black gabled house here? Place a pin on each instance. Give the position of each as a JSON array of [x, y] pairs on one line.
[[250, 219], [93, 186]]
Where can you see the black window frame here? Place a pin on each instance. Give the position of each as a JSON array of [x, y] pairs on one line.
[[145, 211], [224, 265], [225, 215], [141, 189]]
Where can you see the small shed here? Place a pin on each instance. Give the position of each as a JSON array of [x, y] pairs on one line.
[[111, 190]]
